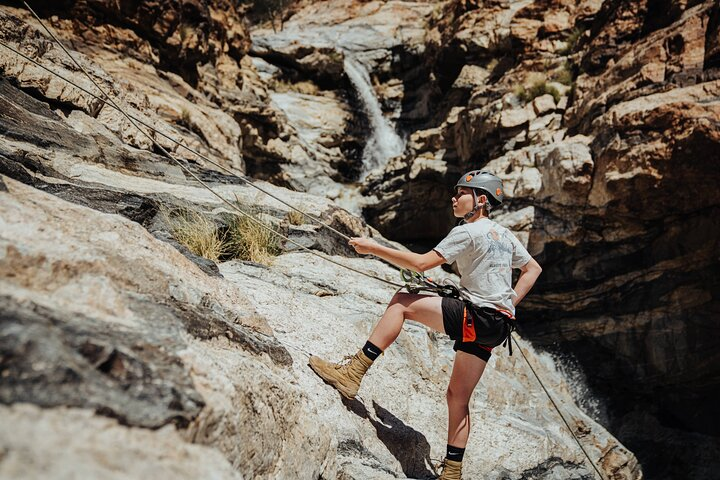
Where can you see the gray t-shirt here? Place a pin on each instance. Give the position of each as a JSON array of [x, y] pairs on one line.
[[486, 253]]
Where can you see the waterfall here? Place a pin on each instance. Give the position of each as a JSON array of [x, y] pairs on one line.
[[383, 143]]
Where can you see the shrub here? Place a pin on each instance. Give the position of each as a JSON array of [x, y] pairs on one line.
[[538, 88], [295, 218], [571, 40], [564, 75], [247, 240], [196, 232]]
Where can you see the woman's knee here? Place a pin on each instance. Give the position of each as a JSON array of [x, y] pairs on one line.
[[399, 301], [457, 396], [399, 298]]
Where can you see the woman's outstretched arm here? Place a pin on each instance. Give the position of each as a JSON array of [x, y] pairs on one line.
[[418, 262]]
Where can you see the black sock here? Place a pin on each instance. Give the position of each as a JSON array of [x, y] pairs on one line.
[[454, 453], [371, 351]]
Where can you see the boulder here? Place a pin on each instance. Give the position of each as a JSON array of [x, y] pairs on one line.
[[543, 104]]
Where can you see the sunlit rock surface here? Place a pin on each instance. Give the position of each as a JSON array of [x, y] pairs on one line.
[[115, 336], [617, 174], [100, 315], [610, 178]]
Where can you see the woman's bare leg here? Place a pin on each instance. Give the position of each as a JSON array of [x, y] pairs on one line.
[[466, 374], [425, 309]]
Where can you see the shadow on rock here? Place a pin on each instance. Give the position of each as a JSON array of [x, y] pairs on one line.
[[406, 444]]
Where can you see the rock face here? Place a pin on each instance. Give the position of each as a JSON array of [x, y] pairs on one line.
[[180, 34], [312, 54], [612, 164], [138, 333], [98, 314], [123, 355]]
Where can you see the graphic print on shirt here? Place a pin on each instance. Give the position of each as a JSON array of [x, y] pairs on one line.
[[499, 250]]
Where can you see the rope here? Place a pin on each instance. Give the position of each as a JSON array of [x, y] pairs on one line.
[[171, 139], [132, 119], [181, 165], [587, 456]]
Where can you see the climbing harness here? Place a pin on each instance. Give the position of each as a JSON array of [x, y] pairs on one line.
[[414, 281], [418, 282]]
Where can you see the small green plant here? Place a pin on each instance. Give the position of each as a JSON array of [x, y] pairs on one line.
[[248, 240], [196, 232], [185, 117], [571, 40], [295, 218], [492, 64], [538, 88], [305, 87], [564, 75]]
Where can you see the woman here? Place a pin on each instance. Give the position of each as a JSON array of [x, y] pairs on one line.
[[485, 253]]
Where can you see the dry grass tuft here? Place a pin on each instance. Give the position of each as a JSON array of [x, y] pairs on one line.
[[295, 218], [538, 88], [564, 75], [247, 240], [197, 232]]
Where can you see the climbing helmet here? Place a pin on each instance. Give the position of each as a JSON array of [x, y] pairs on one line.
[[486, 182]]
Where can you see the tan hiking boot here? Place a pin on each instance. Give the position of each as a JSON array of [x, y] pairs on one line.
[[345, 377], [451, 470]]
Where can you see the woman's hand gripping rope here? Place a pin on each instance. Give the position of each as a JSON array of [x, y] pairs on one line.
[[363, 246]]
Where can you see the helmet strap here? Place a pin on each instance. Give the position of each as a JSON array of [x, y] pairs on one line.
[[475, 208]]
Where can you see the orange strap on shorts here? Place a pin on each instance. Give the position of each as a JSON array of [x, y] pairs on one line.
[[469, 326], [469, 329]]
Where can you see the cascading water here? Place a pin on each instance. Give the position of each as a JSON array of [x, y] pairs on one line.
[[384, 142]]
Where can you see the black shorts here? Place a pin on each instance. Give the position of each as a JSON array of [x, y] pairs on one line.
[[488, 325]]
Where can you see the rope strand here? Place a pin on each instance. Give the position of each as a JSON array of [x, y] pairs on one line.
[[171, 139], [132, 119], [557, 409], [185, 168]]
